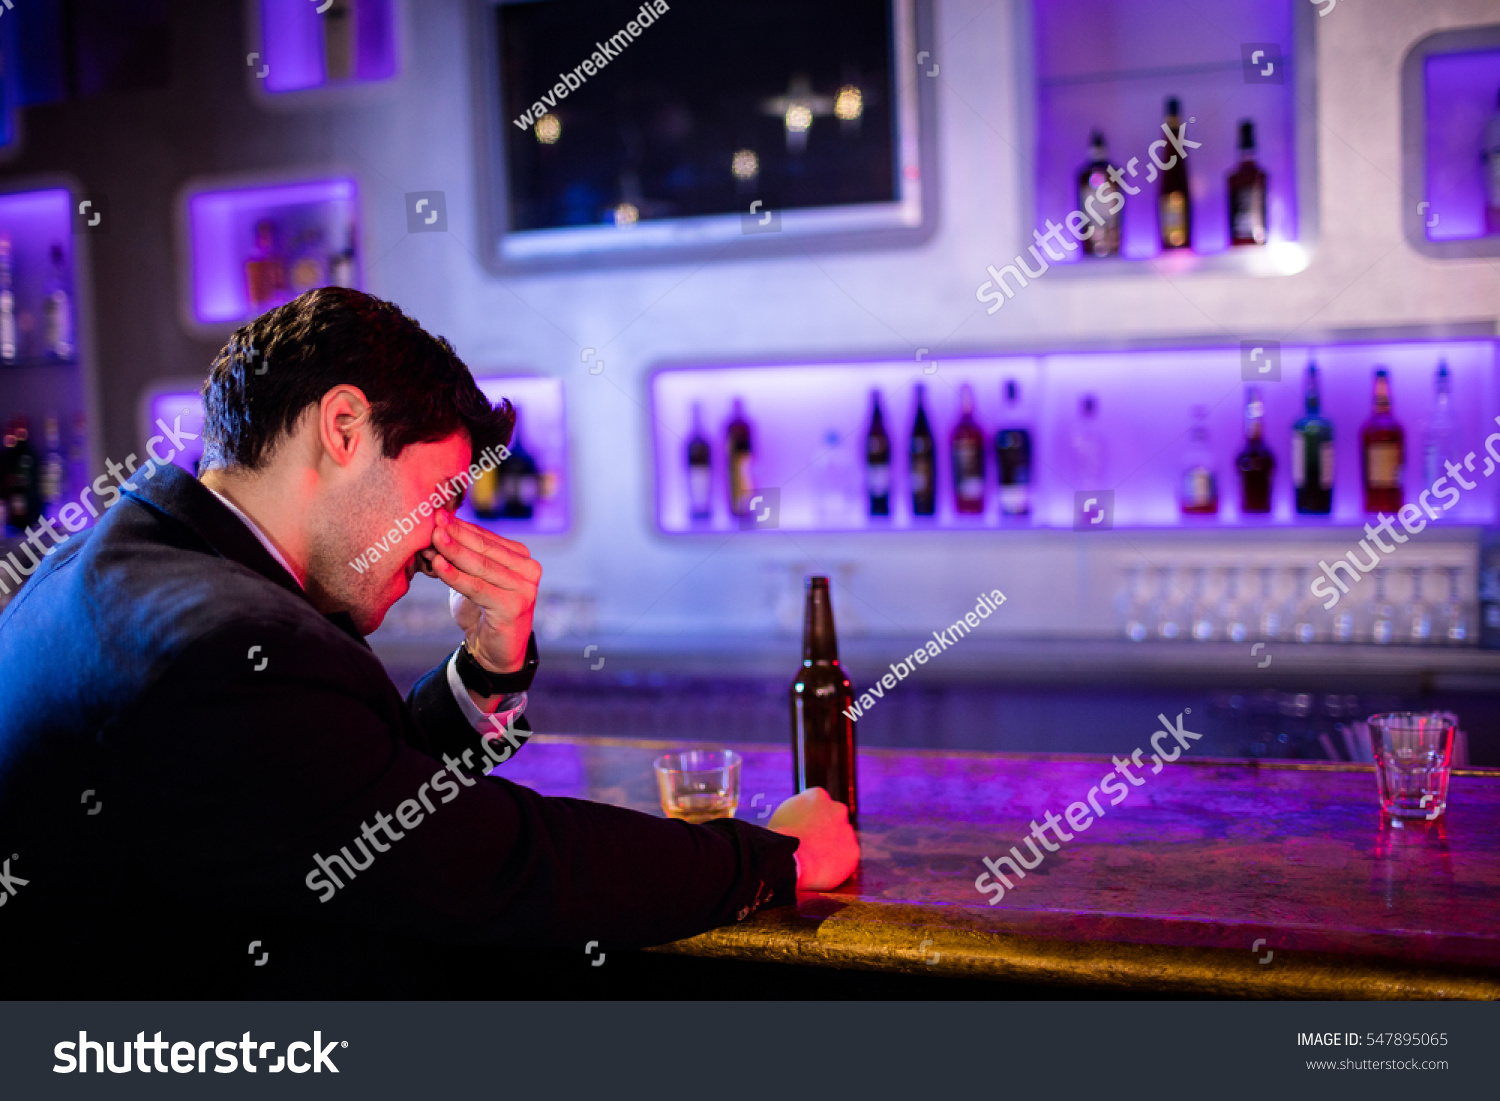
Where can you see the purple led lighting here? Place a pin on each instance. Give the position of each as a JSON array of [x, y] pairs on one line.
[[542, 427], [1144, 403], [166, 407], [35, 221], [1460, 91], [292, 41], [1110, 64], [221, 226]]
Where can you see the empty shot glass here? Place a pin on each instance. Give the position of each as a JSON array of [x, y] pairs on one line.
[[1413, 754], [697, 785]]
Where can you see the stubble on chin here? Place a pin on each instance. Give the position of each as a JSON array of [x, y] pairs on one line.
[[347, 532]]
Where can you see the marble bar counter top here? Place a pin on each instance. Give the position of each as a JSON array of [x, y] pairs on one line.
[[1210, 878]]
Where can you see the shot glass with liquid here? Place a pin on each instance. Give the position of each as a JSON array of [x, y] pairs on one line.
[[698, 785]]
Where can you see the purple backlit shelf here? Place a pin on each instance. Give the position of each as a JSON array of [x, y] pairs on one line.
[[1111, 64], [316, 224], [1450, 115], [166, 404], [542, 430], [540, 423], [306, 45], [1144, 403], [36, 223]]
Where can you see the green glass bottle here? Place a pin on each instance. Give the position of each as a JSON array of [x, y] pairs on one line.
[[1312, 454]]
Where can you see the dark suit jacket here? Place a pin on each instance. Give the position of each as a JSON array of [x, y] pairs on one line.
[[129, 688]]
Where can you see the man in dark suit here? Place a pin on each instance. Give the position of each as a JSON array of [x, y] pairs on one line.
[[198, 750]]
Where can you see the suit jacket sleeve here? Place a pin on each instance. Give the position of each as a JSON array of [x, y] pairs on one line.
[[298, 793]]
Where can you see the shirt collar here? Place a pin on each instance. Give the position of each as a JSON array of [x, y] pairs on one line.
[[260, 535]]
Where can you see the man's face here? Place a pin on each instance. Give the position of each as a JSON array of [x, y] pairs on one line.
[[364, 520]]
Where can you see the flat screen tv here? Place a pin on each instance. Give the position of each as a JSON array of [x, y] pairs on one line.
[[624, 132]]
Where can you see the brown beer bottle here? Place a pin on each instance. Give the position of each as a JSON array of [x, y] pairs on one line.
[[822, 730]]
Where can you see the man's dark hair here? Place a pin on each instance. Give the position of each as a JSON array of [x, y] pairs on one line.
[[286, 359]]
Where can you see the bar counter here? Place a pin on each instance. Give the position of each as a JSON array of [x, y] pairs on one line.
[[1212, 878]]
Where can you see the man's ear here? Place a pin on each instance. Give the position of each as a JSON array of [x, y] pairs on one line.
[[344, 424]]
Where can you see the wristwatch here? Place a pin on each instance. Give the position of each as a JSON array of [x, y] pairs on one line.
[[477, 678]]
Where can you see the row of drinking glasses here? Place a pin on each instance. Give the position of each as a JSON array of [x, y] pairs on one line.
[[1240, 604]]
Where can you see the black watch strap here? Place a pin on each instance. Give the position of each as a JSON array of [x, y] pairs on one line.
[[477, 678]]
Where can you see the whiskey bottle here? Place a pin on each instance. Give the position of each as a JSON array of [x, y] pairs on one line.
[[1247, 194], [1312, 454], [1013, 458], [1256, 463], [823, 753], [1174, 206], [699, 470], [1382, 447], [339, 40], [923, 463], [518, 479], [1200, 485], [53, 476], [878, 461], [1094, 176], [968, 457], [741, 451]]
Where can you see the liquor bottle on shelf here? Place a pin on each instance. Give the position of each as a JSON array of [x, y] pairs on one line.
[[1437, 440], [57, 311], [518, 479], [53, 477], [878, 461], [78, 452], [484, 495], [923, 467], [699, 470], [1105, 240], [1382, 448], [835, 482], [1492, 173], [308, 269], [339, 40], [1087, 445], [1174, 206], [1312, 453], [265, 271], [1013, 458], [1200, 485], [823, 752], [23, 503], [1247, 193], [968, 457], [341, 265], [9, 352], [741, 452], [1256, 463]]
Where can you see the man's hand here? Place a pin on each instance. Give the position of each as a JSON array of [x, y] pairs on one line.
[[494, 582], [829, 852]]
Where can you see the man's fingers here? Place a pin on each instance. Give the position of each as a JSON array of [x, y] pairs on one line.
[[478, 538], [497, 565]]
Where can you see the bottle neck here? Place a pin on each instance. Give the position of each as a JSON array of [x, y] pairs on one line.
[[819, 643]]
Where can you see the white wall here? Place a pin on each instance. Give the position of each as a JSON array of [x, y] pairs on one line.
[[883, 303]]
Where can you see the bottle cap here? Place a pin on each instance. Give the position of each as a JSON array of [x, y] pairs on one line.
[[1174, 106], [1247, 134]]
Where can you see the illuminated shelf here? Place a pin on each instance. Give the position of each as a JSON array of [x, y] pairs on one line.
[[36, 222], [1144, 403], [317, 219], [336, 43], [1111, 64], [1450, 84]]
